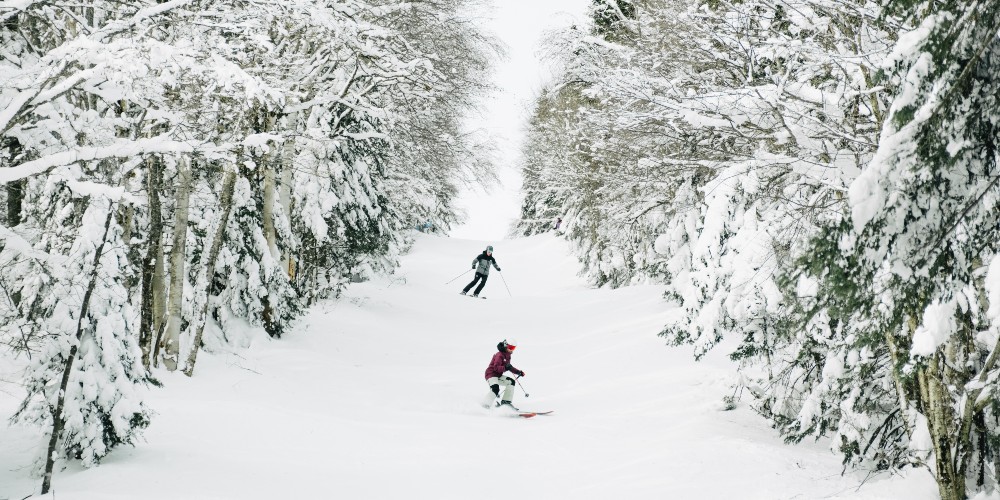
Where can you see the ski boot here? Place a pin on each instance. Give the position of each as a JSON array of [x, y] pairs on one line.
[[506, 404]]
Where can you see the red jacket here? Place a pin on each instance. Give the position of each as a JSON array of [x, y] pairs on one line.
[[501, 363]]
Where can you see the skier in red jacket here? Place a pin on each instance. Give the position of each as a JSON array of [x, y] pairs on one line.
[[495, 372]]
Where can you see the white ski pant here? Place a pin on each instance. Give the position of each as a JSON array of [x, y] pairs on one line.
[[506, 383]]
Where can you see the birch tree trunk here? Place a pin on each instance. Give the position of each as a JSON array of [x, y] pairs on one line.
[[172, 330], [267, 213], [951, 484], [208, 273], [149, 321], [285, 189], [159, 297], [57, 420], [269, 191]]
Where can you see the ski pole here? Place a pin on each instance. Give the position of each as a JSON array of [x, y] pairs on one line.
[[518, 380], [459, 276], [505, 284]]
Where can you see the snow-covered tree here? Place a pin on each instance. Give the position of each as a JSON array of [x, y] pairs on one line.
[[816, 178], [908, 274], [715, 146], [248, 158], [86, 381]]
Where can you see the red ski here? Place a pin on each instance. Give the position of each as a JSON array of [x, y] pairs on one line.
[[529, 414]]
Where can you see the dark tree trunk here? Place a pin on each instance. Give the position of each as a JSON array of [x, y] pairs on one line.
[[15, 198], [147, 328], [15, 189]]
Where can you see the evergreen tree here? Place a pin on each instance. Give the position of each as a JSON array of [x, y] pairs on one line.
[[85, 384], [612, 18], [905, 275]]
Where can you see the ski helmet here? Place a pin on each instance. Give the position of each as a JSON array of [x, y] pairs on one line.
[[511, 343], [489, 248]]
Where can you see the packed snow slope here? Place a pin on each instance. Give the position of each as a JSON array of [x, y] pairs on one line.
[[376, 395]]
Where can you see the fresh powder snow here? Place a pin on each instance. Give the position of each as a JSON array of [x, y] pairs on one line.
[[377, 395]]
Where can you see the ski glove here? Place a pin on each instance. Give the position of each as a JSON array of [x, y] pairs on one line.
[[522, 373], [498, 269]]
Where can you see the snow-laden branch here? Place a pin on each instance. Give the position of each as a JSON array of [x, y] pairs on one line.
[[8, 112], [64, 85], [120, 149], [53, 79], [10, 8], [140, 16], [9, 240]]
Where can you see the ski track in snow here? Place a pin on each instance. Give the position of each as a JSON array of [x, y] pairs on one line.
[[376, 395]]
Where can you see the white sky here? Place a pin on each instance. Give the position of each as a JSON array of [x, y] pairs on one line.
[[520, 25]]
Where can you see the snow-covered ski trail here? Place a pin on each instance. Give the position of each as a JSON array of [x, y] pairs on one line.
[[378, 395]]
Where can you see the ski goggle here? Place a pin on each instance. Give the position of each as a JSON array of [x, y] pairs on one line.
[[511, 347]]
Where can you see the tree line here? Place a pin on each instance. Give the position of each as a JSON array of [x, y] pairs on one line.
[[169, 165], [814, 179]]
